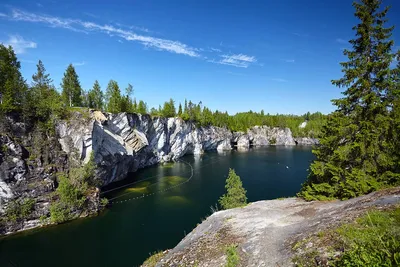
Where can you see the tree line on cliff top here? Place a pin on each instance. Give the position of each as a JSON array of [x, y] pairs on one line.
[[43, 102]]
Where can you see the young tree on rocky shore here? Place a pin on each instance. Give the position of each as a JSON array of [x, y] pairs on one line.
[[358, 154], [235, 195]]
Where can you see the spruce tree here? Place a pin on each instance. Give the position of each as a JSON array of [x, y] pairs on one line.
[[71, 88], [113, 96], [355, 155], [169, 109], [134, 105], [142, 107], [126, 101], [235, 195], [180, 110], [96, 97]]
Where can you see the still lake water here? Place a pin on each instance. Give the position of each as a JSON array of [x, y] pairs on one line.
[[127, 232]]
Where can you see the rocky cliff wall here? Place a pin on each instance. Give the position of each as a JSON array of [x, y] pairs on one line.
[[121, 143], [124, 143]]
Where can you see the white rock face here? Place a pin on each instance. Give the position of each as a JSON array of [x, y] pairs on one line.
[[264, 135], [303, 124], [306, 141], [123, 142]]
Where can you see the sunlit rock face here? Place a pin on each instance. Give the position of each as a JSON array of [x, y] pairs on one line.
[[124, 142], [120, 143]]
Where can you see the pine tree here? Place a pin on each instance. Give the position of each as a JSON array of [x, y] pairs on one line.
[[134, 105], [96, 97], [71, 87], [142, 107], [235, 195], [180, 110], [356, 152], [126, 101], [113, 96], [169, 109]]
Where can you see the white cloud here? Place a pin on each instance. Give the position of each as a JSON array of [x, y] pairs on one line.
[[85, 26], [19, 44], [128, 33], [90, 15], [77, 64], [236, 60], [212, 49], [279, 80], [342, 41], [3, 15], [39, 4], [289, 60]]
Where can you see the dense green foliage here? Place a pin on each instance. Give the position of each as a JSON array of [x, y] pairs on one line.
[[19, 209], [71, 88], [72, 191], [42, 102], [12, 85], [235, 195], [232, 256], [371, 240], [360, 144], [96, 97], [374, 240]]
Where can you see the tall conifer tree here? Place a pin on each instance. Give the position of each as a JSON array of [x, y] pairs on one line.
[[113, 96], [96, 97], [12, 85], [356, 152], [71, 88]]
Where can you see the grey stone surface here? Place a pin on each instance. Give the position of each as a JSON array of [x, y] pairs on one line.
[[264, 230]]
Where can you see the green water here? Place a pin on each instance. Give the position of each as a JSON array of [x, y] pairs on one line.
[[127, 232]]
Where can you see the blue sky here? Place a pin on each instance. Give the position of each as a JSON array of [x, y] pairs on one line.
[[279, 56]]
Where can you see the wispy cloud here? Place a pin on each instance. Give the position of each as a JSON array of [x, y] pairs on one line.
[[90, 15], [124, 33], [234, 73], [19, 44], [79, 25], [39, 4], [77, 64], [212, 49], [289, 60], [3, 15], [236, 60], [300, 34], [342, 41], [278, 80]]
